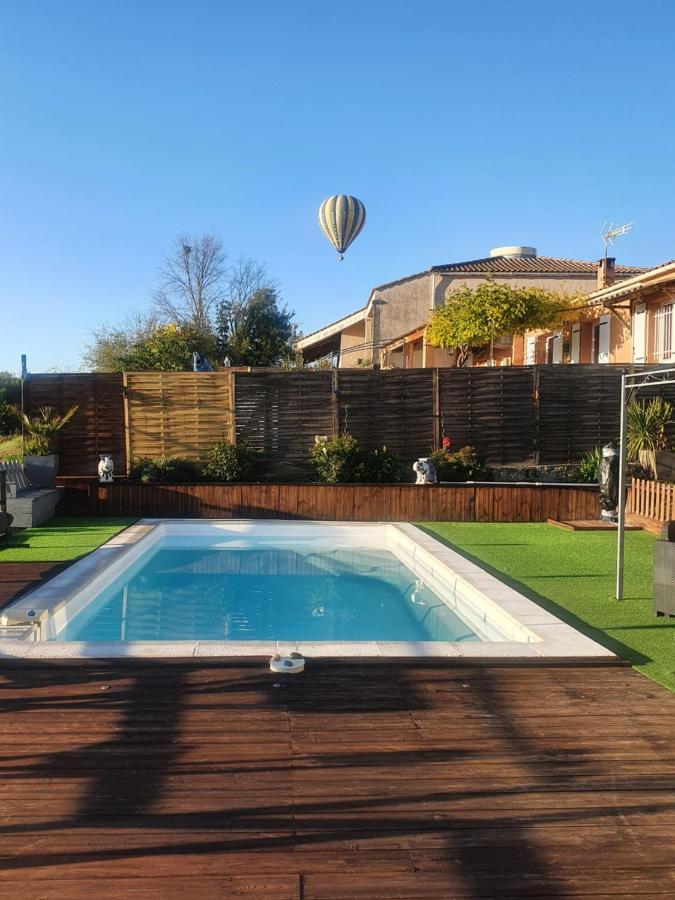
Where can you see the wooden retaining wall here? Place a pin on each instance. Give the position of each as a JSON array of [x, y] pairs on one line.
[[353, 503]]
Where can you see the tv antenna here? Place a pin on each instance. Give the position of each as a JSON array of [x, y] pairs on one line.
[[611, 231]]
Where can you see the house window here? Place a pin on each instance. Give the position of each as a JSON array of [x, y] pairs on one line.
[[663, 333], [531, 351], [600, 352]]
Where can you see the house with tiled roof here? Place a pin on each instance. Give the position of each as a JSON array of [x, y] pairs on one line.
[[389, 329], [627, 320]]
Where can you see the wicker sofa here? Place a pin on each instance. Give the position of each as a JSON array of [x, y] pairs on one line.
[[664, 572]]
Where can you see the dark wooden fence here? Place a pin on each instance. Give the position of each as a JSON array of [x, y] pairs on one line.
[[512, 414], [351, 502], [98, 426]]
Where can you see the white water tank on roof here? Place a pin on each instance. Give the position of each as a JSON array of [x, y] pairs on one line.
[[513, 251]]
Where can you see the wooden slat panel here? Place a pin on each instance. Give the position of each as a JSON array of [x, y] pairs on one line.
[[491, 409], [393, 408], [178, 413], [279, 413], [98, 425]]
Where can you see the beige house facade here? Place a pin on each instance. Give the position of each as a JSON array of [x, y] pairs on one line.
[[389, 330], [631, 320]]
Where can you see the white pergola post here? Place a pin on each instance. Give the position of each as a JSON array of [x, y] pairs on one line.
[[629, 383]]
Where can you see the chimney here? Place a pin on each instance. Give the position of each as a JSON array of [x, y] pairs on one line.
[[606, 271]]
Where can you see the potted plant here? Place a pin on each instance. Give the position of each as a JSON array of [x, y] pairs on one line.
[[42, 430], [646, 431]]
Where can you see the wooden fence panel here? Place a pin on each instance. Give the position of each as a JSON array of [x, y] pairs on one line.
[[492, 409], [279, 413], [653, 500], [393, 408], [579, 408], [177, 413], [513, 415], [98, 425]]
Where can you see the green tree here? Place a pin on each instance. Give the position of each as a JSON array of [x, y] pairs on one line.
[[255, 330], [144, 343], [10, 401], [473, 317], [168, 348], [10, 387]]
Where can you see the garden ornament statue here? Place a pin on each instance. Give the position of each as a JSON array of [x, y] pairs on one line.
[[106, 468], [425, 470], [608, 479]]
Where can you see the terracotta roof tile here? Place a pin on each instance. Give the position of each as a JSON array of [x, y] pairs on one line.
[[533, 264]]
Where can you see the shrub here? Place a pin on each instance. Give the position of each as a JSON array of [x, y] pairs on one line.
[[232, 462], [380, 466], [589, 465], [340, 460], [462, 465], [10, 418], [165, 469], [336, 459]]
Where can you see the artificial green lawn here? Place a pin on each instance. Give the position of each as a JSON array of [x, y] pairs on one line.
[[61, 539], [571, 574]]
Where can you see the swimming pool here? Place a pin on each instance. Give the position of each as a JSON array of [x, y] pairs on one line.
[[191, 588]]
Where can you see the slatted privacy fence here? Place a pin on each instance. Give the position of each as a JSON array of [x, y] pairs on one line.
[[394, 408], [97, 427], [177, 413], [653, 500], [492, 409], [579, 408], [279, 413], [513, 415]]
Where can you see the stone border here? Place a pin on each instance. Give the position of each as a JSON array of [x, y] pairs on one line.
[[538, 634]]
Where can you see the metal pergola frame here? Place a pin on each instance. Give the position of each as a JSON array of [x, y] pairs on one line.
[[631, 383]]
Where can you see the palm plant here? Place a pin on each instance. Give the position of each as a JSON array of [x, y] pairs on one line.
[[43, 429], [646, 431]]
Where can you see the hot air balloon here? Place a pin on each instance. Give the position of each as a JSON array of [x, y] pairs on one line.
[[341, 218]]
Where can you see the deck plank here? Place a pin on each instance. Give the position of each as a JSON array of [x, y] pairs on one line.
[[156, 780]]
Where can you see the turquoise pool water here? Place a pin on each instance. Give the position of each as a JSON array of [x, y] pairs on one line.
[[267, 593]]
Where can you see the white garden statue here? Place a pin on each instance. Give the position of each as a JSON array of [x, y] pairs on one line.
[[106, 468], [425, 470]]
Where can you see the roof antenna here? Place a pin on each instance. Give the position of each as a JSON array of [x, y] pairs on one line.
[[611, 231]]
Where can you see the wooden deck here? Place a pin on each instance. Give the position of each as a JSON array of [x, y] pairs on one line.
[[17, 578], [169, 780]]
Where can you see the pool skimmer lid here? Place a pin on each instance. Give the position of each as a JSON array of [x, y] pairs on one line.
[[291, 665]]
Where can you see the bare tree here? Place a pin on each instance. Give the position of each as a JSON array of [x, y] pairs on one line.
[[195, 279], [245, 278]]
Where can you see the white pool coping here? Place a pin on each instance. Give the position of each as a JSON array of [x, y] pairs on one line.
[[490, 607]]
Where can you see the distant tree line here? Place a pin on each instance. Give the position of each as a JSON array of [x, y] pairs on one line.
[[204, 305]]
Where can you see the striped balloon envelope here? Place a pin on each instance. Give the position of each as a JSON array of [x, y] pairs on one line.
[[341, 218]]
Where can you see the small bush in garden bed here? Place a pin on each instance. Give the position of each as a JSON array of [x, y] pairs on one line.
[[380, 467], [232, 462], [165, 469], [461, 465], [340, 460], [589, 466]]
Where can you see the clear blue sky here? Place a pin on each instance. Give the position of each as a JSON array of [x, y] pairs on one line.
[[460, 125]]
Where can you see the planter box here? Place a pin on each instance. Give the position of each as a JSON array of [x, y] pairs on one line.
[[41, 470]]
